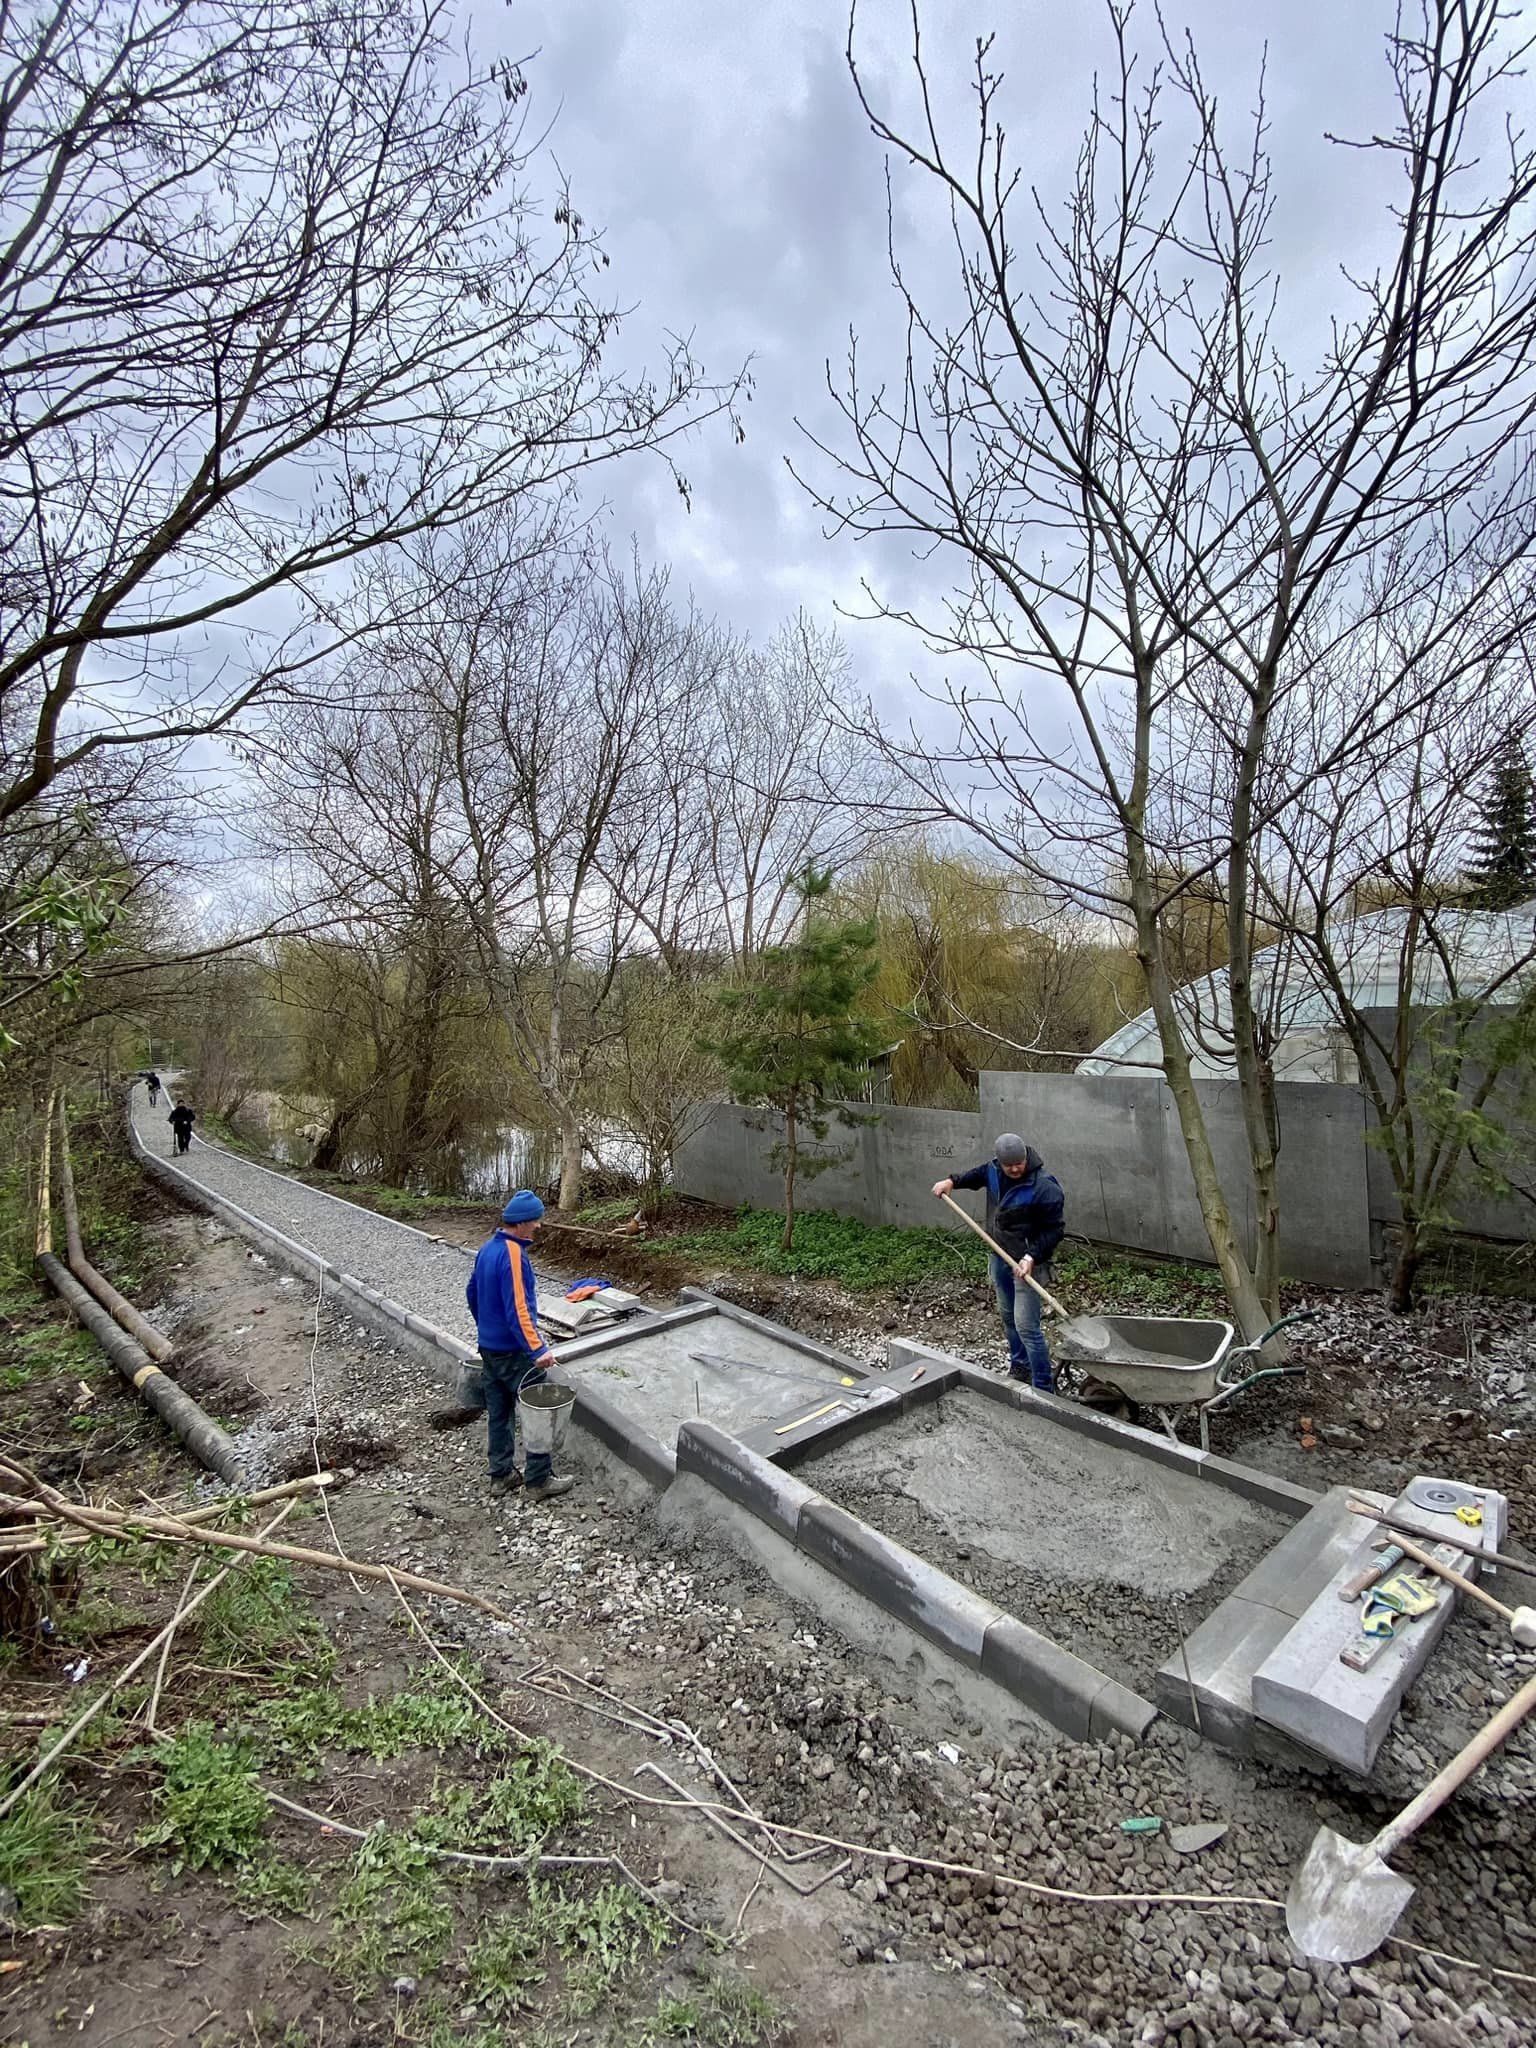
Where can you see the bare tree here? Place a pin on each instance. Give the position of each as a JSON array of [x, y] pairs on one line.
[[273, 294], [1365, 876], [1147, 501]]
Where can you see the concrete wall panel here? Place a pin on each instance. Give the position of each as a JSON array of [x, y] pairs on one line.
[[1113, 1141]]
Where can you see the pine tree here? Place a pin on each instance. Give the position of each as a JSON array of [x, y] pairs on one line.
[[789, 1039], [1504, 845]]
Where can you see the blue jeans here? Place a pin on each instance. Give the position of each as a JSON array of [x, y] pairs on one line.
[[505, 1373], [1019, 1307]]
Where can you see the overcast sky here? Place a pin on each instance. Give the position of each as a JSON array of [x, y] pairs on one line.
[[721, 148]]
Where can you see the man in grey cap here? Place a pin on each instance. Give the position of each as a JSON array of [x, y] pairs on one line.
[[1026, 1214]]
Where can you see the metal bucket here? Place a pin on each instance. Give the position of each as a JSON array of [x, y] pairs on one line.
[[546, 1413]]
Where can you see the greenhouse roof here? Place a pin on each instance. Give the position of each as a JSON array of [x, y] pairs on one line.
[[1468, 953]]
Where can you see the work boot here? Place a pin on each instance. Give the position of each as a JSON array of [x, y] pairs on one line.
[[551, 1489], [454, 1418], [503, 1483]]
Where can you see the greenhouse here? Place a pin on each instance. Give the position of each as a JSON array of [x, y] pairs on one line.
[[1467, 953]]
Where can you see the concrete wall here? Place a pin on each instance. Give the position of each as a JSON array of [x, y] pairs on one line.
[[1115, 1145], [1113, 1142], [881, 1173]]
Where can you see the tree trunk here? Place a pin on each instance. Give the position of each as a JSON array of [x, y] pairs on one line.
[[328, 1152], [787, 1240], [1405, 1271], [570, 1162], [1242, 1291]]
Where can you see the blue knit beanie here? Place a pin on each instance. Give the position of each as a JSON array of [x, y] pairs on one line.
[[524, 1207]]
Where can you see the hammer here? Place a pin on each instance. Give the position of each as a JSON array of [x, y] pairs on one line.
[[1522, 1620]]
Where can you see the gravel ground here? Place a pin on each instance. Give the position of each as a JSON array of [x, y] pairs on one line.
[[423, 1273], [819, 1737]]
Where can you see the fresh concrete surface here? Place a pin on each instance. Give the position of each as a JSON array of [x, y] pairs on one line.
[[1098, 1548], [1034, 1495], [654, 1377]]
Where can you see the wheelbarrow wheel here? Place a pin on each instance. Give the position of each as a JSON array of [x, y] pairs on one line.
[[1104, 1399]]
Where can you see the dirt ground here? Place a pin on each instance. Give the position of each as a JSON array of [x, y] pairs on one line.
[[678, 1655]]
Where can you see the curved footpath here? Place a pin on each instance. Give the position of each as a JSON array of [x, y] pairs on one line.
[[425, 1275]]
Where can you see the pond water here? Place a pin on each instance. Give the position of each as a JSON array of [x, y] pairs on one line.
[[488, 1167]]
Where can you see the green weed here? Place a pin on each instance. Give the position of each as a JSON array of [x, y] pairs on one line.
[[503, 1964], [274, 1885], [534, 1796], [301, 1725], [211, 1810], [723, 2013], [256, 1617], [601, 1935], [44, 1844], [392, 1910]]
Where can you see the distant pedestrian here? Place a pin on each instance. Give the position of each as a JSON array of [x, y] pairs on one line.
[[181, 1120], [154, 1088], [1026, 1213], [505, 1307]]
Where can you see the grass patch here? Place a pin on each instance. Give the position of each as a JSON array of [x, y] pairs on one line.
[[722, 2013], [257, 1617], [298, 1727], [504, 1963], [45, 1842], [601, 1934], [869, 1256], [211, 1810], [392, 1911], [274, 1886], [533, 1796]]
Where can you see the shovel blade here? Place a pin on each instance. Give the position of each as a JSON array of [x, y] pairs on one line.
[[1344, 1901]]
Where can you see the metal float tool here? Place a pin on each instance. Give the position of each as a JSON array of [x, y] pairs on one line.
[[1344, 1901]]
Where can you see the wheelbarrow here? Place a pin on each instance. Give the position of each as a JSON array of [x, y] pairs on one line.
[[1173, 1363]]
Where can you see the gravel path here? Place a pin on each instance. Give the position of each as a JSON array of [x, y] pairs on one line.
[[423, 1273]]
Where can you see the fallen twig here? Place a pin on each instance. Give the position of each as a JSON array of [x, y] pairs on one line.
[[32, 1541], [530, 1860], [101, 1521], [82, 1721]]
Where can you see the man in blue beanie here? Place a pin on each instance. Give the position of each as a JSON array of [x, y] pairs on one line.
[[505, 1307]]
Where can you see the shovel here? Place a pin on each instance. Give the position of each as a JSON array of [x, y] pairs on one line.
[[992, 1245], [1344, 1901], [1090, 1333]]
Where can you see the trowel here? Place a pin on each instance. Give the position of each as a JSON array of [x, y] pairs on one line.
[[1344, 1901]]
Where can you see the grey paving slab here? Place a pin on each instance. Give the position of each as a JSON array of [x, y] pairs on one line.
[[408, 1266], [1224, 1652], [1305, 1691]]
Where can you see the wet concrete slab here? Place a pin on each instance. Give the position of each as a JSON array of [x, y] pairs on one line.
[[710, 1367], [1106, 1552]]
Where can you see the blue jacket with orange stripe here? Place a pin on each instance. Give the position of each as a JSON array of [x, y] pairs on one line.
[[502, 1300]]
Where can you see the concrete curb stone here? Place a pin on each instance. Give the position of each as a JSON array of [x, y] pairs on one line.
[[896, 1579], [753, 1482]]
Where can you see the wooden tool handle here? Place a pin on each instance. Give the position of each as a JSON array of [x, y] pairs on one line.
[[1411, 1549], [992, 1245], [1478, 1550], [1457, 1771]]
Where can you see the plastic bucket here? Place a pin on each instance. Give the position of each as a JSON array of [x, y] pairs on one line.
[[546, 1415]]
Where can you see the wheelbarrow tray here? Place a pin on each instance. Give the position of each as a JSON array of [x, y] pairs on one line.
[[1164, 1361]]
